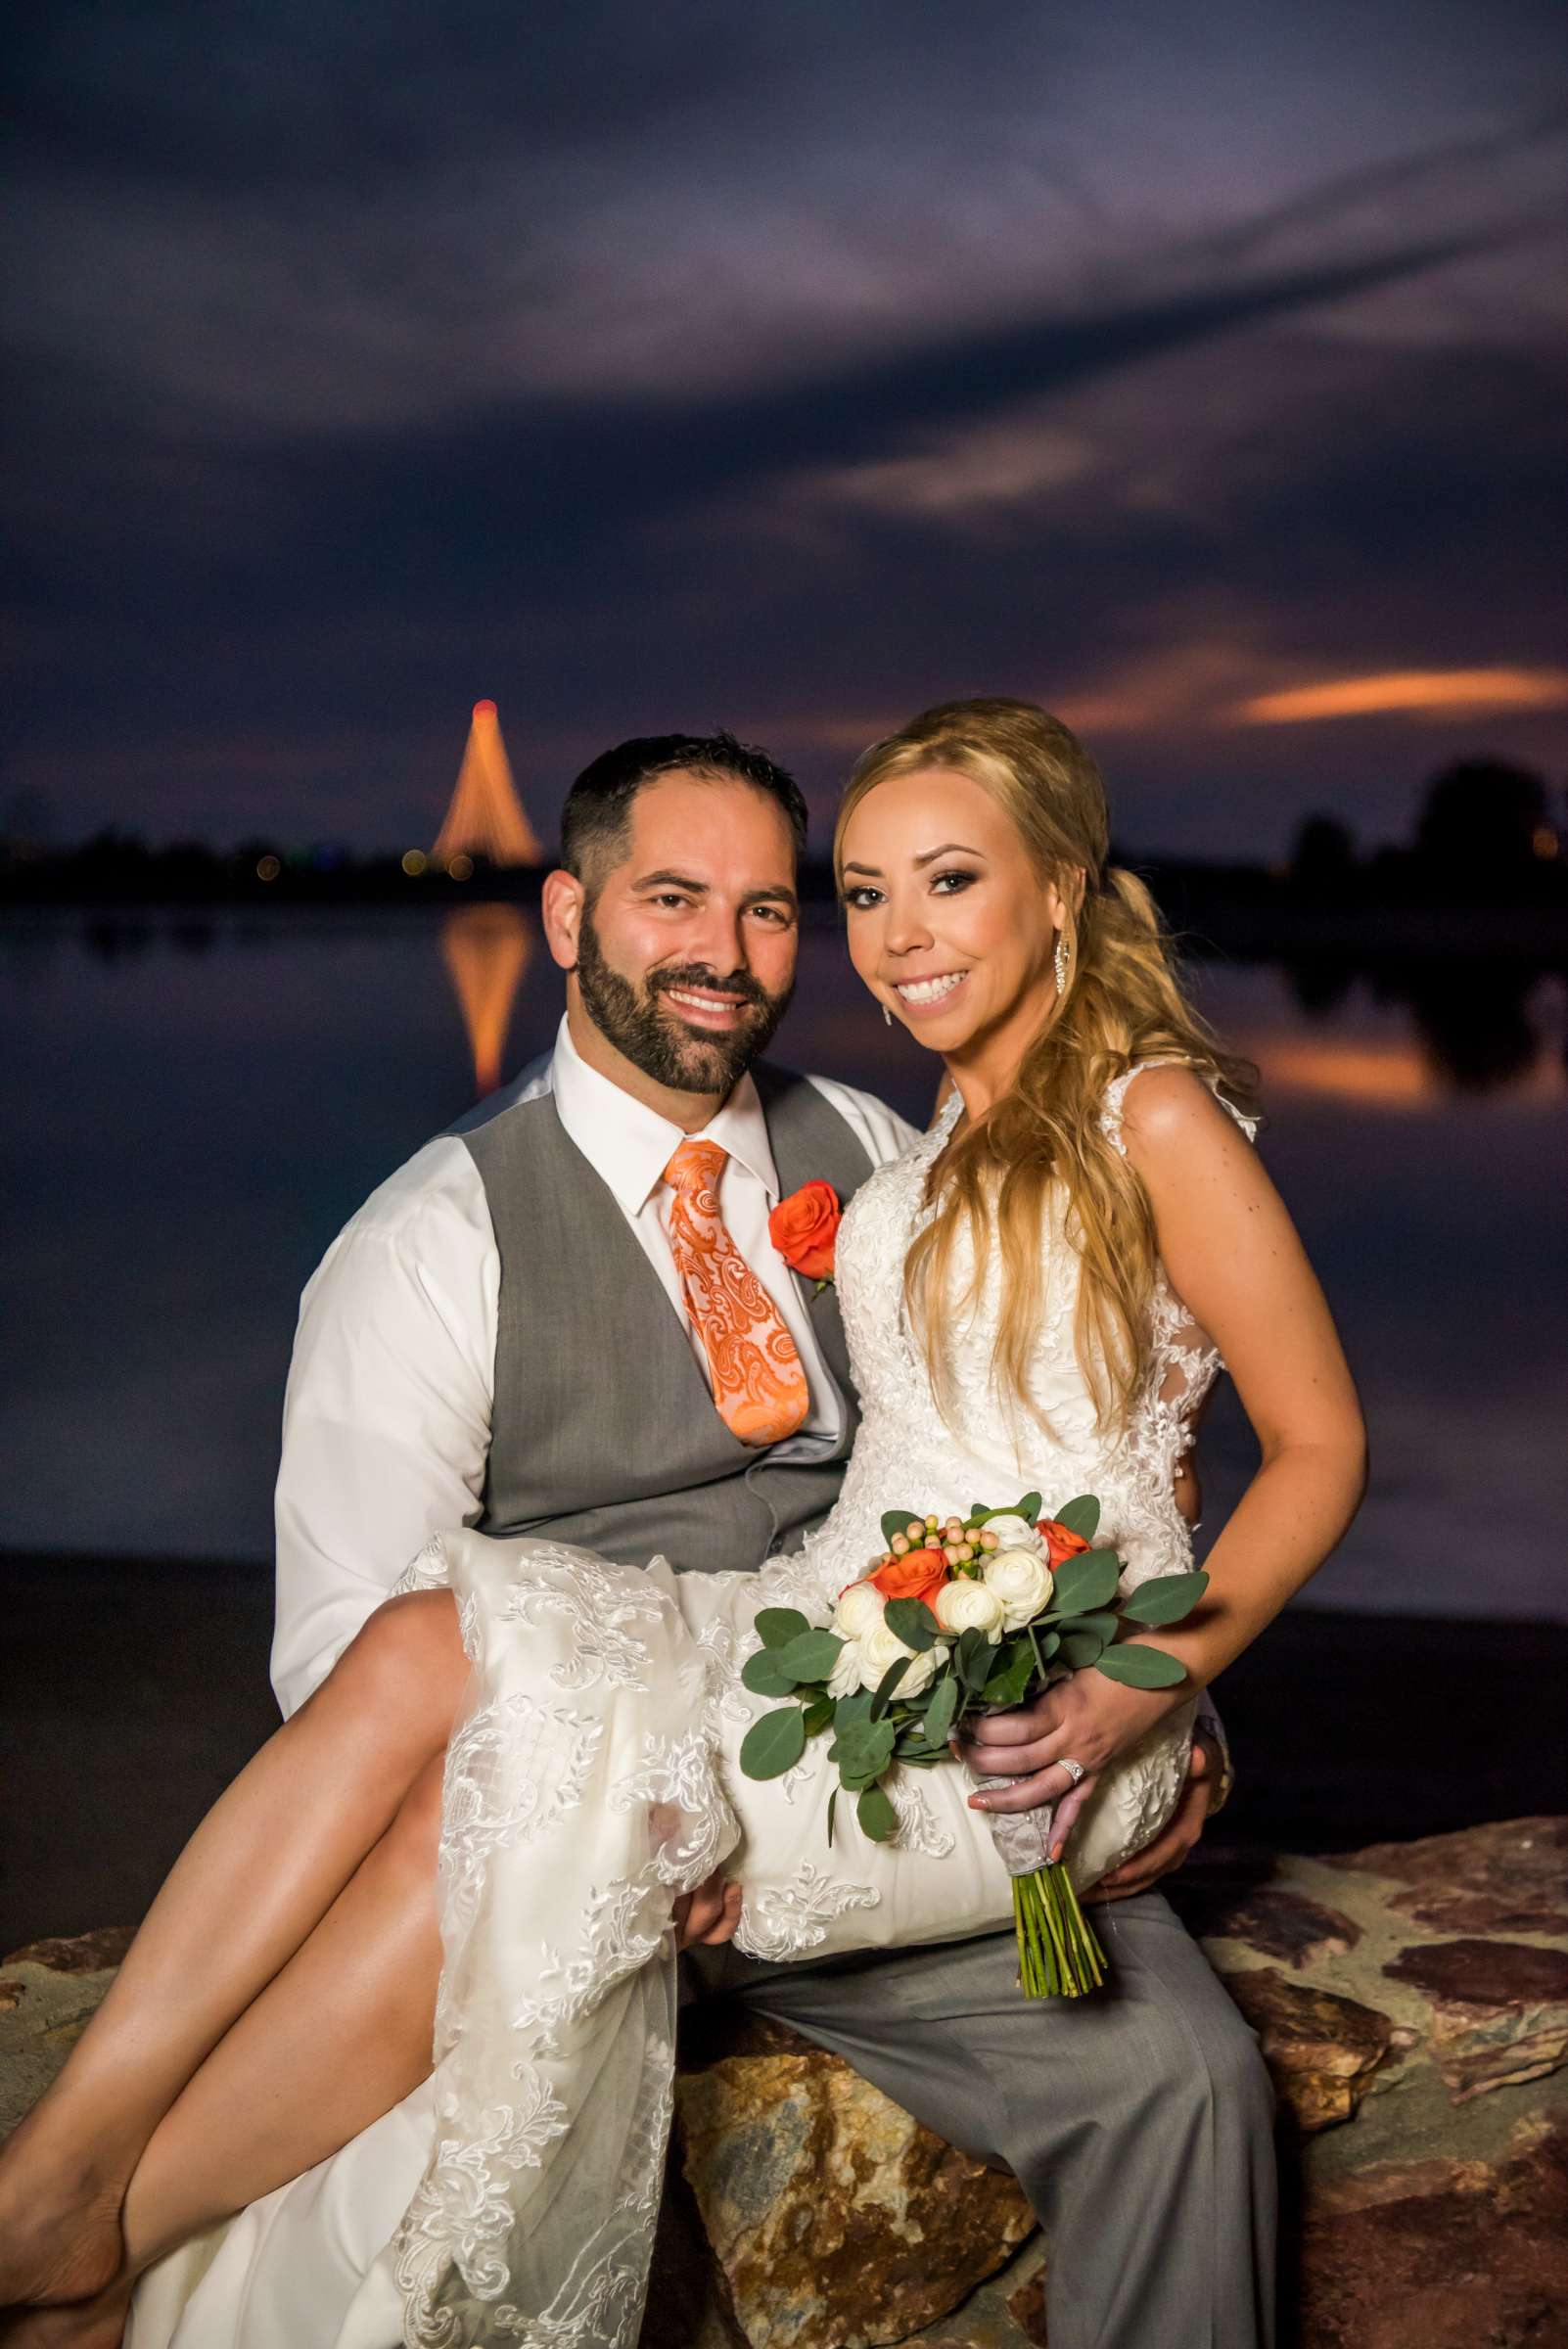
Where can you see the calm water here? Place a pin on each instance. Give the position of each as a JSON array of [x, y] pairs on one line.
[[194, 1105]]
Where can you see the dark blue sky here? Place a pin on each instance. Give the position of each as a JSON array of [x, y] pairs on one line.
[[1198, 371]]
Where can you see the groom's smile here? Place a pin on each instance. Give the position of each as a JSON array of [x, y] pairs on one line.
[[707, 1007]]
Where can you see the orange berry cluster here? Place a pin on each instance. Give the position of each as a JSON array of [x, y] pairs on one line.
[[959, 1542]]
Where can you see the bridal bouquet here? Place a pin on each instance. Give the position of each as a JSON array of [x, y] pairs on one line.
[[961, 1616]]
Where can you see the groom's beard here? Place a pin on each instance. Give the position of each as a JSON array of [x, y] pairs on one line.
[[651, 1031]]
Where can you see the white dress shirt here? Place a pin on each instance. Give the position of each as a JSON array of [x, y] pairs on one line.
[[386, 1417]]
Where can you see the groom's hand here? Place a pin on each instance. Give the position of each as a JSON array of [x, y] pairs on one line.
[[710, 1914], [1177, 1838]]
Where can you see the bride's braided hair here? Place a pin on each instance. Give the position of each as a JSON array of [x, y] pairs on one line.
[[1123, 1003]]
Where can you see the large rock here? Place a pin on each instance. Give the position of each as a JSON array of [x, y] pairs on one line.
[[1412, 2002], [834, 2217]]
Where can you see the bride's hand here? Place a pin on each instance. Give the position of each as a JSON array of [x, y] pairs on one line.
[[1086, 1719], [708, 1916]]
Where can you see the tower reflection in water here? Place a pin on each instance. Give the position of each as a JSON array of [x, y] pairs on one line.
[[487, 950]]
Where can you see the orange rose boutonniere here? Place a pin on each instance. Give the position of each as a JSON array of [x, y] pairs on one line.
[[804, 1230]]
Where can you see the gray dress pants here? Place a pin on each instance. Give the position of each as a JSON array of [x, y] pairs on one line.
[[1139, 2122]]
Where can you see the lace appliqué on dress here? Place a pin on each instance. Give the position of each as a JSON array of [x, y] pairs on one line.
[[791, 1918], [567, 1832]]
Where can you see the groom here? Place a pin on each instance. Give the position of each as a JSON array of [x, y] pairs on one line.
[[567, 1315]]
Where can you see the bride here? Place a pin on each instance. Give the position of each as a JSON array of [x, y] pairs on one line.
[[1036, 1295]]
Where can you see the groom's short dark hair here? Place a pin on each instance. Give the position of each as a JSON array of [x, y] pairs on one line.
[[594, 820]]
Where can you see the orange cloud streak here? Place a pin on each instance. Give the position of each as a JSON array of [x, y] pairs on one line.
[[1428, 692]]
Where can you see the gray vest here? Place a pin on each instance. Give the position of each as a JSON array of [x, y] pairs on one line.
[[603, 1430]]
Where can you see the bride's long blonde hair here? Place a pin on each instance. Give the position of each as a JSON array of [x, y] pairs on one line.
[[1121, 1004]]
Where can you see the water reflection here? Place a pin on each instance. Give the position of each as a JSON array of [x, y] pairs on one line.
[[1475, 1027], [1469, 1025], [486, 949], [113, 937], [1476, 1024]]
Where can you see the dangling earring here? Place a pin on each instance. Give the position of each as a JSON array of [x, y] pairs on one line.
[[1061, 964], [887, 1015]]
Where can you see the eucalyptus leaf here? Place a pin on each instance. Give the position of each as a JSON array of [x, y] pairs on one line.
[[1080, 1516], [774, 1744], [979, 1514], [817, 1714], [974, 1659], [832, 1804], [1104, 1627], [1008, 1686], [777, 1625], [883, 1696], [851, 1709], [765, 1676], [941, 1709], [864, 1750], [1139, 1667], [898, 1521], [1080, 1650], [1166, 1600], [811, 1655], [1087, 1582], [911, 1620], [876, 1814], [1029, 1508]]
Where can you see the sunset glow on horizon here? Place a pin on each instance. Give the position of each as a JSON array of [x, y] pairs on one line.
[[1426, 692]]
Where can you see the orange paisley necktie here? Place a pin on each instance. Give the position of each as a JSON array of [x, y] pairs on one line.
[[759, 1386]]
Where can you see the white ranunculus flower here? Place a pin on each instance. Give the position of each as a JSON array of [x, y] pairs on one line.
[[858, 1611], [1015, 1533], [1022, 1581], [964, 1605], [881, 1648], [845, 1677]]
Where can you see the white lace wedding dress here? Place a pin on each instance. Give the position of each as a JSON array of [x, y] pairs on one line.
[[592, 1776]]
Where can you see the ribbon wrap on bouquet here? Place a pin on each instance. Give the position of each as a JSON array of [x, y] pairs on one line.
[[591, 1778]]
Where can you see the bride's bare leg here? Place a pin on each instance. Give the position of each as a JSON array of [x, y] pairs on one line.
[[337, 2039], [250, 1887]]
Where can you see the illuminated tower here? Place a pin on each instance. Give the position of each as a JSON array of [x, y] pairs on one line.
[[485, 817]]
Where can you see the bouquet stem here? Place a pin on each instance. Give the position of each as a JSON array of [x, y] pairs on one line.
[[1058, 1953]]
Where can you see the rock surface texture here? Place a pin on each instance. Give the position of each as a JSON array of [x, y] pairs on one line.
[[1411, 2001]]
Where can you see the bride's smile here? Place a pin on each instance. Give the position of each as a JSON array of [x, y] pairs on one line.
[[949, 926]]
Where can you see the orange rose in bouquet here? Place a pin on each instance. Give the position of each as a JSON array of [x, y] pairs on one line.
[[1060, 1541], [804, 1230], [918, 1574]]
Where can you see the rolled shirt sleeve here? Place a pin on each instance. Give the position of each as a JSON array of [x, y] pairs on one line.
[[881, 1131], [387, 1415]]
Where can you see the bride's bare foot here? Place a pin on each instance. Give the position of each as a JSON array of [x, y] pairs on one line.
[[95, 2324], [60, 2230]]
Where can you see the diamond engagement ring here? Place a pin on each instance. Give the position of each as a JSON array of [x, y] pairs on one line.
[[1074, 1770]]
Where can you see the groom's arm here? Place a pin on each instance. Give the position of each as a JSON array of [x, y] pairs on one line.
[[387, 1419], [880, 1131]]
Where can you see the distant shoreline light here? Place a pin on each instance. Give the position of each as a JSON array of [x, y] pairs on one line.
[[1419, 692]]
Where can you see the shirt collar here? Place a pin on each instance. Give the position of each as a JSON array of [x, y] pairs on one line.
[[631, 1145]]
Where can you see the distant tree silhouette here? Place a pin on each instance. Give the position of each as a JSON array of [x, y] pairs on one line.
[[1323, 858], [1480, 818]]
